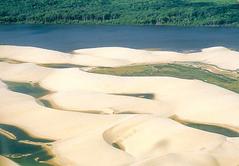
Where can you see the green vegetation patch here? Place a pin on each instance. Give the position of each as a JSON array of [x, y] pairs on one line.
[[175, 70], [116, 145], [62, 66]]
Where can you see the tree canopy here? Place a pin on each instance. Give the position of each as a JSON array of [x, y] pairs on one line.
[[159, 12]]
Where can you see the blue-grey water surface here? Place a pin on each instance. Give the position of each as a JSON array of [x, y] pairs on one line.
[[69, 37]]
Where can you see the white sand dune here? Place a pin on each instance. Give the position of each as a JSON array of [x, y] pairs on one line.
[[82, 138], [91, 60], [33, 54], [177, 93], [172, 93], [87, 135], [24, 72], [26, 110], [106, 103], [219, 56], [44, 56], [131, 56], [62, 126], [118, 56], [180, 159], [6, 162], [153, 136], [141, 136], [144, 136], [90, 149]]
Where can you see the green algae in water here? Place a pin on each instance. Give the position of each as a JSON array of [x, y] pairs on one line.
[[22, 153], [27, 88], [115, 145], [62, 66], [213, 128]]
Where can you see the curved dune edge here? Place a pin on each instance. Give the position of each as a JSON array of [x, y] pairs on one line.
[[138, 134], [131, 130], [24, 72], [7, 162], [119, 56], [113, 139], [106, 103], [53, 124], [144, 137], [171, 93]]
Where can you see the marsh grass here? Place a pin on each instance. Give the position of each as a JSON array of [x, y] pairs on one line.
[[62, 66], [227, 81]]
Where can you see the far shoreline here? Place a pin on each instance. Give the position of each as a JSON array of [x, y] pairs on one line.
[[122, 24]]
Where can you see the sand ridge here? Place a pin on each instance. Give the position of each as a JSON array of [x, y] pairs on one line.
[[86, 123], [119, 56]]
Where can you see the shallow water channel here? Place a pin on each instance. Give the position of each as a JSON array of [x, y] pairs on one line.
[[20, 147]]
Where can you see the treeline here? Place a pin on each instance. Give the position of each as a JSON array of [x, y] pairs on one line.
[[159, 12]]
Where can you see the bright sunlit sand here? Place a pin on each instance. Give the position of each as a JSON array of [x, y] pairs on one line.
[[99, 118]]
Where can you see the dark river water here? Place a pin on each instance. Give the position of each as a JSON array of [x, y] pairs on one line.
[[69, 37]]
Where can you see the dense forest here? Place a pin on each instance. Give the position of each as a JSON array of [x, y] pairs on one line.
[[157, 12]]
